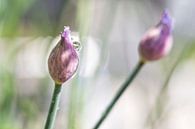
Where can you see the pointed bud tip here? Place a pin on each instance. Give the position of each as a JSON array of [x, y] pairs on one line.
[[166, 18], [66, 32]]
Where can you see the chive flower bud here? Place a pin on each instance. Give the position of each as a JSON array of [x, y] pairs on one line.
[[63, 60], [157, 42]]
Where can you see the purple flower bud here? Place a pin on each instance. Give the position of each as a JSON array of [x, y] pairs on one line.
[[157, 42], [63, 60]]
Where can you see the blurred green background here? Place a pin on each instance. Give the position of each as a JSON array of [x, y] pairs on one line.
[[161, 97]]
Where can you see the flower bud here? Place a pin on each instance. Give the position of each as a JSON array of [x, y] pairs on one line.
[[63, 60], [157, 42]]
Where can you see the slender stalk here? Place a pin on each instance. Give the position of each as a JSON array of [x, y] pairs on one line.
[[53, 107], [119, 93]]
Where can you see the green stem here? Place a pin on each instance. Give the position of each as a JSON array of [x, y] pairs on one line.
[[119, 93], [53, 107]]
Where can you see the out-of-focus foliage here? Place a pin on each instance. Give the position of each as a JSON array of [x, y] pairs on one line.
[[11, 13]]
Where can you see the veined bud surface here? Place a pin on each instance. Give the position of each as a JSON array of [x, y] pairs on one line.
[[157, 42], [63, 60]]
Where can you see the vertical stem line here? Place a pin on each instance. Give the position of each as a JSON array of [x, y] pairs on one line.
[[53, 107], [119, 93]]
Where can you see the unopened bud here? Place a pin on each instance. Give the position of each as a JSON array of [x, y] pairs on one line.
[[157, 42], [63, 60]]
